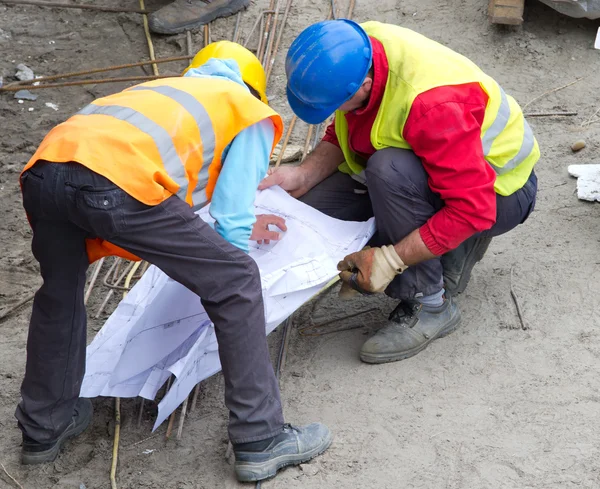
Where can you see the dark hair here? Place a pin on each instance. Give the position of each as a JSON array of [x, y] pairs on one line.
[[253, 91]]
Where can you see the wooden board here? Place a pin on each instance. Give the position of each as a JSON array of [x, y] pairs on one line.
[[506, 11]]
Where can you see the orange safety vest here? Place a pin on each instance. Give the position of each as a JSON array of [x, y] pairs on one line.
[[161, 138]]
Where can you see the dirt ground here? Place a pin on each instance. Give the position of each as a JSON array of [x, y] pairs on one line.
[[491, 406]]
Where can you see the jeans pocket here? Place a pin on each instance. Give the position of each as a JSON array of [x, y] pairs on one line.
[[104, 209], [105, 199]]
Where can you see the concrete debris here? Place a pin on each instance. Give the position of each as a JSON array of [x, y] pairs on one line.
[[24, 73], [588, 181], [25, 95], [292, 153], [310, 469], [51, 105]]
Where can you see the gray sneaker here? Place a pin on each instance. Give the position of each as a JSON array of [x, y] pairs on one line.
[[412, 326], [183, 15], [260, 460]]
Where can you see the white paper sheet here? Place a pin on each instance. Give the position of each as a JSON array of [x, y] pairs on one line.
[[161, 328]]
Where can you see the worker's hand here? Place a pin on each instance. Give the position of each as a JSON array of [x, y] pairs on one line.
[[290, 178], [261, 233], [371, 270]]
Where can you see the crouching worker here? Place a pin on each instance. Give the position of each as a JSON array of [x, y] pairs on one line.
[[123, 177], [428, 144]]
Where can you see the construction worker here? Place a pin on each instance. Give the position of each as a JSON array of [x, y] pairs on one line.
[[123, 177], [183, 15], [428, 144]]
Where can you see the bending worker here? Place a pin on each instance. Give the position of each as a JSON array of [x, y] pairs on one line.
[[428, 144], [122, 177]]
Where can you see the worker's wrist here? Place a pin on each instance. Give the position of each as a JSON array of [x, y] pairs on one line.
[[305, 175], [393, 259]]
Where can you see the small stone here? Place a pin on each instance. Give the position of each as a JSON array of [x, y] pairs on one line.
[[82, 486], [30, 109], [480, 343], [19, 101], [310, 469], [24, 73], [51, 105], [25, 95], [578, 145]]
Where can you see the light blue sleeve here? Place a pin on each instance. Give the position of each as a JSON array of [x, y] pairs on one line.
[[244, 166]]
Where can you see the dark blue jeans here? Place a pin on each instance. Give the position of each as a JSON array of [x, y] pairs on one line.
[[67, 203], [401, 200]]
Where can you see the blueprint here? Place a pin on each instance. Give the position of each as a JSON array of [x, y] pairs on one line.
[[161, 329]]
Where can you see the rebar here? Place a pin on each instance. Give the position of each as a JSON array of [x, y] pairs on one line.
[[286, 141], [279, 36], [182, 418], [99, 70], [265, 34], [99, 8], [307, 142], [271, 36], [13, 88], [351, 9], [236, 29], [258, 19], [195, 398], [115, 452], [97, 268], [141, 413]]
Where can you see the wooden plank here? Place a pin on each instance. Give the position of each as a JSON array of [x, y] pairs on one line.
[[506, 11]]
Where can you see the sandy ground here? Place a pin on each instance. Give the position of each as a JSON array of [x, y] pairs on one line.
[[491, 406]]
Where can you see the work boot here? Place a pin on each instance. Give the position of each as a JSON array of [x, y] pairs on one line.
[[39, 453], [412, 326], [260, 460], [183, 15], [459, 262]]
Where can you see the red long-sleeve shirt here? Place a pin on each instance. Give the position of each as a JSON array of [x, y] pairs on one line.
[[444, 129]]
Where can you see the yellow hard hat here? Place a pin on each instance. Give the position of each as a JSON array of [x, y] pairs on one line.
[[252, 71]]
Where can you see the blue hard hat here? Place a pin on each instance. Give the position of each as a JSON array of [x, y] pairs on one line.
[[325, 67]]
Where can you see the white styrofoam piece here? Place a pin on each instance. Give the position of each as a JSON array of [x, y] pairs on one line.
[[588, 181]]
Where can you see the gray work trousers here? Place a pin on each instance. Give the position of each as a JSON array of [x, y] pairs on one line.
[[67, 203], [401, 200]]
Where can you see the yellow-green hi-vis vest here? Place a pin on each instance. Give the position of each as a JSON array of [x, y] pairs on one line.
[[418, 64]]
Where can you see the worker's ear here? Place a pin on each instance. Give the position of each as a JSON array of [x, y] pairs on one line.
[[367, 83]]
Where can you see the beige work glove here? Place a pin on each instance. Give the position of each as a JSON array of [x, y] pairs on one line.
[[370, 270]]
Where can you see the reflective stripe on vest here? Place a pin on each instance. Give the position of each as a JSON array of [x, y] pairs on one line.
[[496, 129], [171, 160]]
